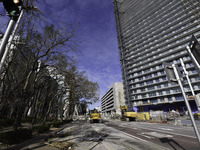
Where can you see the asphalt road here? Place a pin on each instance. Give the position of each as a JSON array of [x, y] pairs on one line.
[[116, 135], [169, 136]]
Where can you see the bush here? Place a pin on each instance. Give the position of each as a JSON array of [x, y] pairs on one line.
[[4, 122], [57, 124], [41, 128], [27, 120], [67, 121], [14, 137]]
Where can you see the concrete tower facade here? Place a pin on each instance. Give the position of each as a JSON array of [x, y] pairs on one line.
[[151, 32], [113, 99]]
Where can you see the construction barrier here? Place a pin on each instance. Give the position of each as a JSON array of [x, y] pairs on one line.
[[143, 116]]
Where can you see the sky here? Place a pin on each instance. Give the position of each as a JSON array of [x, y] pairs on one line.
[[99, 55]]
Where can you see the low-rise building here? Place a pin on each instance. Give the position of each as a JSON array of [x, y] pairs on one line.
[[113, 99]]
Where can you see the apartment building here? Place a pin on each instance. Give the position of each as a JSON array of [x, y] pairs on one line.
[[112, 99], [149, 33]]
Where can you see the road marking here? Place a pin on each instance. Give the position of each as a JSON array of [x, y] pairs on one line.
[[169, 132], [133, 136], [142, 134], [128, 126], [156, 134], [166, 129], [164, 148]]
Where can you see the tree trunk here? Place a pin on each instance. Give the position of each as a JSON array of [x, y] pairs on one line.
[[48, 111]]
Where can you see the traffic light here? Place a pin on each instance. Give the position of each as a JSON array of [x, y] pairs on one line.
[[194, 52], [11, 7]]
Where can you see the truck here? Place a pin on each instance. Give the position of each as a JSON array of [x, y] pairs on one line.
[[95, 116], [130, 115]]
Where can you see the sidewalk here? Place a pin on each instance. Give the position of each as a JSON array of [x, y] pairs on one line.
[[184, 121]]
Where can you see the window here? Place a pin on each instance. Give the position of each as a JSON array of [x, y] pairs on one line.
[[169, 98], [155, 74], [148, 76], [162, 72], [160, 66], [149, 82], [166, 85], [153, 100], [162, 100], [150, 88], [152, 94], [140, 78], [176, 90], [145, 101], [167, 91], [160, 93], [179, 97], [159, 86], [142, 83], [157, 80], [143, 96]]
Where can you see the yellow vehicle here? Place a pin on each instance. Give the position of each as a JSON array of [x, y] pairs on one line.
[[131, 115], [95, 116]]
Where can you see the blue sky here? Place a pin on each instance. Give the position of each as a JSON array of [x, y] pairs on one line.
[[99, 55]]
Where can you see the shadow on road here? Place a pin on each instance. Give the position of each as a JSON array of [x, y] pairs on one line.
[[172, 143]]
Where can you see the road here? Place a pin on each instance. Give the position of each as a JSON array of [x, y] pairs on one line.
[[117, 135], [169, 136]]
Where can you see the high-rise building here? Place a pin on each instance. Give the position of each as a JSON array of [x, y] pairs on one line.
[[151, 32]]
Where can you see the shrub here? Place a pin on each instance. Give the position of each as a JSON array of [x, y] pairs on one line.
[[67, 121], [14, 137], [41, 128], [57, 124], [6, 122], [27, 120]]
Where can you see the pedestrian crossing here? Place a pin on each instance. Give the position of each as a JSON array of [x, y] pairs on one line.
[[151, 135]]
